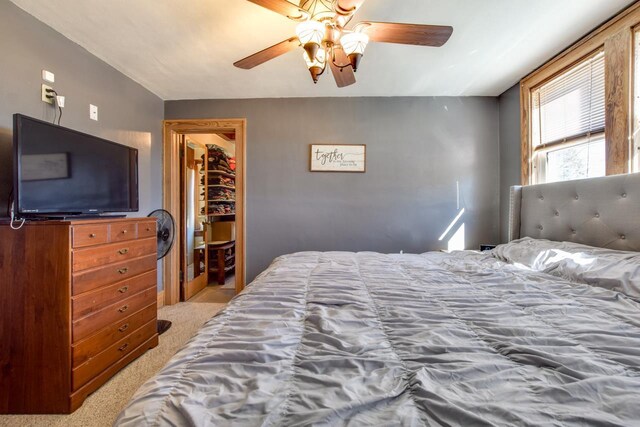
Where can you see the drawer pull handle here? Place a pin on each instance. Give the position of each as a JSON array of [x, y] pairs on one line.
[[123, 347], [123, 289], [124, 231], [123, 308], [123, 270], [123, 251], [92, 235], [123, 327], [148, 229]]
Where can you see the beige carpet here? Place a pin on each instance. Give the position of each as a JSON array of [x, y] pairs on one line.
[[215, 293], [102, 407]]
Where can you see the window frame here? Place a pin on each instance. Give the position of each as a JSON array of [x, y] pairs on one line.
[[616, 39], [545, 149]]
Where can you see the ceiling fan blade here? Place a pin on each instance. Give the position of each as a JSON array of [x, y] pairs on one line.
[[348, 7], [268, 54], [420, 35], [345, 76], [283, 7]]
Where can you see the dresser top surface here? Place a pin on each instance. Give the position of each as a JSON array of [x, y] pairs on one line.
[[82, 221]]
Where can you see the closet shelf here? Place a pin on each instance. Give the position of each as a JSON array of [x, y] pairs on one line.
[[226, 269], [222, 186], [218, 182], [223, 173]]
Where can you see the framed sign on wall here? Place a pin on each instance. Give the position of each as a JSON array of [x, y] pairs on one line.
[[338, 158]]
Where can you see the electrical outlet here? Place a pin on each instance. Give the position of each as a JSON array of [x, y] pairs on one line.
[[93, 112], [48, 76], [45, 94]]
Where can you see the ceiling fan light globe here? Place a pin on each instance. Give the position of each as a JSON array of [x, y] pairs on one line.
[[354, 43], [310, 32]]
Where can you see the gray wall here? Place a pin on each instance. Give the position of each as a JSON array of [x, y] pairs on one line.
[[128, 113], [509, 152], [417, 149]]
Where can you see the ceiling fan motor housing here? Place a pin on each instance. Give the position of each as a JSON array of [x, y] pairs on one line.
[[332, 36], [319, 10]]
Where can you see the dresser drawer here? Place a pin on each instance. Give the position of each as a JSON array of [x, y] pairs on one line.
[[84, 259], [113, 313], [148, 229], [88, 280], [90, 234], [121, 231], [90, 302], [91, 368], [89, 347]]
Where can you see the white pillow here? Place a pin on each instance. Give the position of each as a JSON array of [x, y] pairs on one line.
[[606, 268]]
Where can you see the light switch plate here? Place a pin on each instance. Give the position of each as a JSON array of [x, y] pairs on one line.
[[44, 94], [93, 112], [48, 76]]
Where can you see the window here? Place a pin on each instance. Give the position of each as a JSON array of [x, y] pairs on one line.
[[636, 107], [568, 124], [580, 111]]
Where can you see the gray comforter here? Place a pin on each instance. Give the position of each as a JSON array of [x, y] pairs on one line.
[[384, 340]]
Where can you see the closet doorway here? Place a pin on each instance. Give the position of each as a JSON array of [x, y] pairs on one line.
[[204, 190]]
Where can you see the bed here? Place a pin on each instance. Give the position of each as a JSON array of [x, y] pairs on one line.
[[541, 331]]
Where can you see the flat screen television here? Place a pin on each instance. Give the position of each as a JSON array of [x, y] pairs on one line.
[[63, 172]]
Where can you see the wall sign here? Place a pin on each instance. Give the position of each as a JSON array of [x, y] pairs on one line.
[[338, 158]]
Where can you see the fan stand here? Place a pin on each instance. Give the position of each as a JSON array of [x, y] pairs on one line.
[[164, 234], [163, 326]]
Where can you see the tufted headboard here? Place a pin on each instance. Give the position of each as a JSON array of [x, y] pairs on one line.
[[601, 212]]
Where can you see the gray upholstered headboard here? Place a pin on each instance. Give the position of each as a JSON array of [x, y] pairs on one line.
[[601, 212]]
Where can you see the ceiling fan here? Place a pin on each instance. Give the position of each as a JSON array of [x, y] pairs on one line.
[[322, 34]]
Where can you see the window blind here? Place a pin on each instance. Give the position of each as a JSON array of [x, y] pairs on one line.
[[572, 105]]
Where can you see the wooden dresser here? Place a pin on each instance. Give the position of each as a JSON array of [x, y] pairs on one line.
[[78, 302]]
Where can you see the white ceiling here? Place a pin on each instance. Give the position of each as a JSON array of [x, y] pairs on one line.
[[185, 49]]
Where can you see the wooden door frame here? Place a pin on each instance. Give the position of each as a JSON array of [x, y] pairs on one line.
[[190, 288], [171, 193]]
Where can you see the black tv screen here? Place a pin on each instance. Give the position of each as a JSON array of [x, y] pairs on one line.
[[62, 171]]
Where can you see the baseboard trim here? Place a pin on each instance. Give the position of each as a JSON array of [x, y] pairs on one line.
[[160, 298]]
